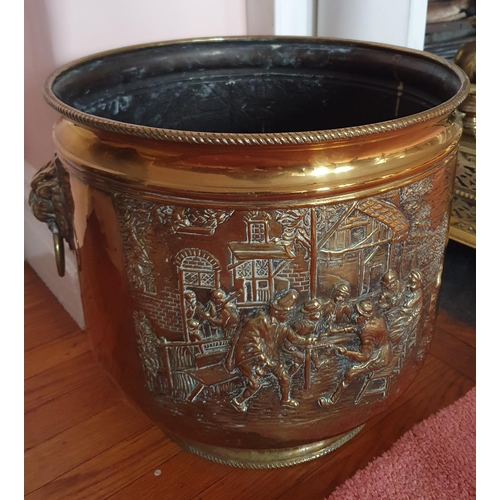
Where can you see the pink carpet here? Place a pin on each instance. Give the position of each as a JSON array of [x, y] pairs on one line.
[[434, 460]]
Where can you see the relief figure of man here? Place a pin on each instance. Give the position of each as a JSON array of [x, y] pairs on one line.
[[392, 291], [307, 329], [338, 310], [260, 347], [375, 350], [221, 313]]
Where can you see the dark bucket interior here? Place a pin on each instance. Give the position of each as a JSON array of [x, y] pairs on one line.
[[254, 86]]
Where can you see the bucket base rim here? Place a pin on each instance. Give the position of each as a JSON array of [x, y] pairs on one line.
[[266, 459]]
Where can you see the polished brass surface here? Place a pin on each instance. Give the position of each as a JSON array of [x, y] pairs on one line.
[[463, 215], [260, 295], [220, 175], [267, 459], [466, 59], [59, 253]]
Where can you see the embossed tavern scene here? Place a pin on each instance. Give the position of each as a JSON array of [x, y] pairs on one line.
[[304, 312]]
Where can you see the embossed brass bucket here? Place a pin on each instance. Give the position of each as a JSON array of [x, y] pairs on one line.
[[259, 226]]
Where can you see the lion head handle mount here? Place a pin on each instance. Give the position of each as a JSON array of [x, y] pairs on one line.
[[51, 202]]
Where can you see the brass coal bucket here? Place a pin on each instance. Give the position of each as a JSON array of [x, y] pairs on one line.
[[259, 225]]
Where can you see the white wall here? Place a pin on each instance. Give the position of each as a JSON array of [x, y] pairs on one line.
[[59, 31], [79, 28], [396, 22]]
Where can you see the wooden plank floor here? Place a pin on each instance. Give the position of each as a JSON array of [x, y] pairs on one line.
[[82, 441]]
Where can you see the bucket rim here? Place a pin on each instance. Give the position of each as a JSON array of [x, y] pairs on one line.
[[257, 139]]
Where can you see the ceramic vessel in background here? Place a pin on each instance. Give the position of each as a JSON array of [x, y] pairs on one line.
[[260, 227]]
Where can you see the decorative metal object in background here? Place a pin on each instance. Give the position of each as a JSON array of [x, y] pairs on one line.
[[260, 227], [463, 214], [450, 25]]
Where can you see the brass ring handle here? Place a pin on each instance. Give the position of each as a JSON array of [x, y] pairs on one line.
[[59, 253], [51, 202]]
